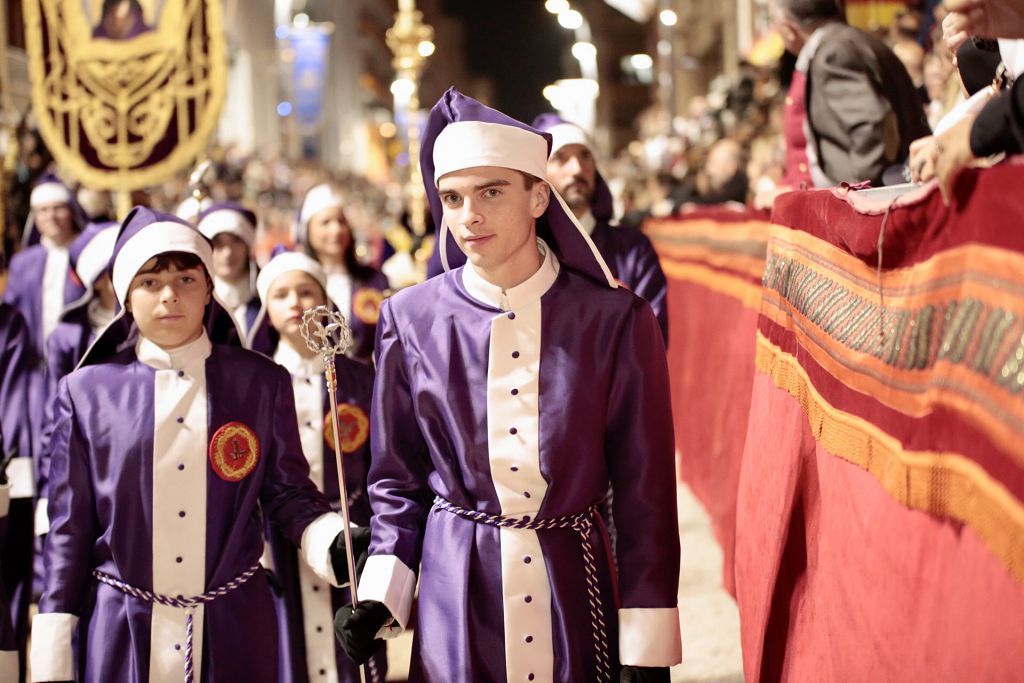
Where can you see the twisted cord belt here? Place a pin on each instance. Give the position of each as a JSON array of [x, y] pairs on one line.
[[181, 602], [582, 523]]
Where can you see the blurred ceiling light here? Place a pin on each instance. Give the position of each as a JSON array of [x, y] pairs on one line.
[[402, 88], [284, 108], [641, 62], [668, 17], [425, 48], [556, 6], [301, 20], [664, 48], [388, 130], [584, 51], [550, 92], [570, 19]]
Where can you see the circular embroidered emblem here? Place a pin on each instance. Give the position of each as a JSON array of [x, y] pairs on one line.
[[354, 426], [234, 451], [366, 305]]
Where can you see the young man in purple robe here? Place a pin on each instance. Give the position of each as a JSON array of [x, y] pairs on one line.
[[290, 284], [232, 229], [510, 394], [167, 451]]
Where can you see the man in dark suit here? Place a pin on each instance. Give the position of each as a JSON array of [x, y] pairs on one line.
[[852, 109]]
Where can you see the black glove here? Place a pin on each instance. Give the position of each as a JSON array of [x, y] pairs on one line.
[[356, 628], [644, 674], [339, 554]]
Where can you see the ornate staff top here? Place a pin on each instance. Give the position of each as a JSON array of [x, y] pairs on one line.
[[326, 332]]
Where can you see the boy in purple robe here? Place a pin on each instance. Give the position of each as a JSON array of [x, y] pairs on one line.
[[289, 284], [232, 229], [510, 394], [323, 232], [167, 451]]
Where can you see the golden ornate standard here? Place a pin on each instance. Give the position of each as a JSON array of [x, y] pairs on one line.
[[126, 112]]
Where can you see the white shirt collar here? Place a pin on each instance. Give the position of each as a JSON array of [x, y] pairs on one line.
[[233, 294], [173, 359], [522, 294], [50, 245], [588, 222], [295, 364]]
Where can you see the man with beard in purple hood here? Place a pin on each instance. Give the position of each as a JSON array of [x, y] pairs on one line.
[[510, 394]]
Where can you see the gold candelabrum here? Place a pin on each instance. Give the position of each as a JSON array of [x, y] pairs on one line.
[[405, 39]]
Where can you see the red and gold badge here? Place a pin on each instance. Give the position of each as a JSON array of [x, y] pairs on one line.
[[366, 305], [234, 451], [354, 426]]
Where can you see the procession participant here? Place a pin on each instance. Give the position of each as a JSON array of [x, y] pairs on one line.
[[167, 451], [39, 271], [511, 392], [323, 232], [290, 284], [15, 420], [93, 306], [232, 229], [190, 207], [573, 173]]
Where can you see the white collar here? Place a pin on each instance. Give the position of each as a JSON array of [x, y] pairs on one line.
[[173, 359], [522, 294], [52, 246], [588, 222], [233, 294], [296, 364]]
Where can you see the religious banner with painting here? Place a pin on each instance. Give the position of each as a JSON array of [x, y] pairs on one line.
[[126, 91], [713, 260], [880, 512]]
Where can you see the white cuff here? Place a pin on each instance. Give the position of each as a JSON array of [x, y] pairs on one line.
[[649, 636], [386, 579], [42, 521], [5, 499], [22, 477], [51, 658], [316, 543]]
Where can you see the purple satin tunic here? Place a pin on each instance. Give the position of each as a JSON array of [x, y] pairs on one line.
[[101, 513], [604, 420]]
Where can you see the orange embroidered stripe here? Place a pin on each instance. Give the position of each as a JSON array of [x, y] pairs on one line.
[[944, 484], [748, 293]]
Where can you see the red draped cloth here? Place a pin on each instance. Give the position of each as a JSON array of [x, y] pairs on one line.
[[713, 260], [879, 518]]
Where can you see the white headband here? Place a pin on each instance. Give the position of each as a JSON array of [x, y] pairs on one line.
[[564, 134], [229, 221], [285, 263], [468, 144], [318, 199], [95, 257], [153, 240], [49, 193]]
